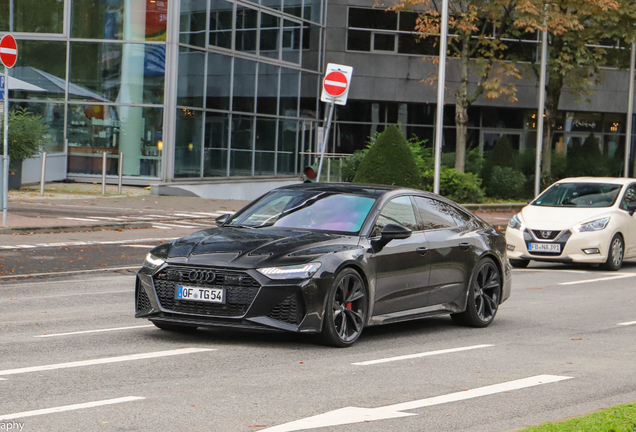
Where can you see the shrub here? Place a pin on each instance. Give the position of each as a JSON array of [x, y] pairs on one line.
[[501, 155], [389, 161], [506, 183], [463, 188], [350, 165], [587, 160]]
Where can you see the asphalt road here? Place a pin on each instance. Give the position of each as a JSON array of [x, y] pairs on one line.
[[561, 325]]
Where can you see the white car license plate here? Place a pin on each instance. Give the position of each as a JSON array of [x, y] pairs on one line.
[[545, 247], [210, 295]]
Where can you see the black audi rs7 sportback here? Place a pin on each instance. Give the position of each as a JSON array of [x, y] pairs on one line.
[[329, 259]]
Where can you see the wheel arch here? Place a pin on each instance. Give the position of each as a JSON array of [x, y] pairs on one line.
[[354, 265]]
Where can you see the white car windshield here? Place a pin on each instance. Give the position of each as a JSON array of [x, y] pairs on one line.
[[579, 195]]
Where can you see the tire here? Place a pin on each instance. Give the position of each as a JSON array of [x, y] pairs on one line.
[[346, 310], [616, 253], [519, 263], [178, 328], [484, 296]]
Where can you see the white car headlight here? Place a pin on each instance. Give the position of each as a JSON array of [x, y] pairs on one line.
[[153, 262], [595, 225], [515, 223], [303, 271]]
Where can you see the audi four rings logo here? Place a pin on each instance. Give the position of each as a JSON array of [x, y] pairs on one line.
[[201, 276], [545, 234]]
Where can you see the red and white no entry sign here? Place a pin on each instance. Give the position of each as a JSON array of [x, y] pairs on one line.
[[335, 83], [8, 51]]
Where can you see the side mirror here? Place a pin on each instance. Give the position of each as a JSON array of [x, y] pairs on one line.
[[222, 219], [631, 207], [390, 232]]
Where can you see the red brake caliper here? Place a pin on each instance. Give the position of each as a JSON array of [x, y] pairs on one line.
[[348, 305]]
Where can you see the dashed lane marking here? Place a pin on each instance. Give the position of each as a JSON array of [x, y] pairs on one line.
[[105, 269], [106, 360], [418, 355], [69, 407], [90, 243], [93, 331], [621, 276], [627, 323]]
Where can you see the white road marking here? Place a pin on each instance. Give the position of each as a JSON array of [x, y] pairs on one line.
[[93, 331], [213, 214], [46, 297], [140, 246], [106, 360], [164, 225], [79, 219], [105, 218], [560, 270], [90, 243], [424, 354], [70, 272], [627, 323], [161, 227], [69, 407], [351, 415], [620, 276], [189, 215], [15, 285]]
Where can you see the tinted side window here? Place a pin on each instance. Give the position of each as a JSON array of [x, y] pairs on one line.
[[398, 211], [460, 217], [435, 214], [630, 196]]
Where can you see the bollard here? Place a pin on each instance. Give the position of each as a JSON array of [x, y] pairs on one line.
[[43, 175], [328, 170], [104, 174], [121, 168]]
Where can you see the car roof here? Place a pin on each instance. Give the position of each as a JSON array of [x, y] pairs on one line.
[[611, 180], [371, 190]]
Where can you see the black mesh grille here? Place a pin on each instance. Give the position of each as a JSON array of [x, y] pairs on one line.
[[240, 290], [288, 311], [551, 235], [143, 302]]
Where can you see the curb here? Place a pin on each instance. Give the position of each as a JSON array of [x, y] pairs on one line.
[[75, 228], [504, 207]]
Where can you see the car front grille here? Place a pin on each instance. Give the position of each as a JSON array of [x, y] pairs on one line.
[[143, 302], [549, 235], [289, 311], [240, 290]]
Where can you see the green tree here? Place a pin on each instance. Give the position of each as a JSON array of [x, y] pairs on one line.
[[501, 155], [587, 160], [389, 161], [26, 134]]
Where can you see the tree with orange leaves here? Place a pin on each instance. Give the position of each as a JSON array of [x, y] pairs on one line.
[[477, 29]]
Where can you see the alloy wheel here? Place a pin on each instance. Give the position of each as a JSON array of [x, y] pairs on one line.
[[486, 292], [349, 307], [617, 251]]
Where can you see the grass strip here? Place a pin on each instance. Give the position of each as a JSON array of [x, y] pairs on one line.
[[619, 418]]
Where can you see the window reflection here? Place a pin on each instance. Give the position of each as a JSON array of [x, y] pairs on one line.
[[267, 88], [112, 72], [244, 85], [32, 16], [221, 24], [246, 27], [269, 42], [219, 75], [216, 144], [141, 20], [134, 131], [187, 155], [192, 22], [52, 115], [190, 78], [43, 65], [291, 41]]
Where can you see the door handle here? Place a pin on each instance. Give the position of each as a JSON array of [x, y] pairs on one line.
[[464, 246], [422, 250]]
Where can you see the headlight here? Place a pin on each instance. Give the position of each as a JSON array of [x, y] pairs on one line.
[[595, 225], [152, 261], [303, 271], [514, 222]]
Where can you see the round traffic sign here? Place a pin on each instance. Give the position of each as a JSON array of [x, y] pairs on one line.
[[8, 51], [335, 83]]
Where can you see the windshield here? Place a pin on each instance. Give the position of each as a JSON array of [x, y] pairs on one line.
[[579, 195], [307, 209]]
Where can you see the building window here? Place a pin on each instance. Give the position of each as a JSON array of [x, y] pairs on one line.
[[32, 16]]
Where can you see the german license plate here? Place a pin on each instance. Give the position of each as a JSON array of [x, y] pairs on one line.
[[545, 247], [210, 295]]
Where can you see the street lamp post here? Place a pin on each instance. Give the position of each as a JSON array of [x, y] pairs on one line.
[[441, 84]]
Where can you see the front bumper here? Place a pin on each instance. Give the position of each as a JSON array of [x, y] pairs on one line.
[[572, 246], [252, 300]]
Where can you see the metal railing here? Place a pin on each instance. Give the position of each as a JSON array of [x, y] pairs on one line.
[[334, 163]]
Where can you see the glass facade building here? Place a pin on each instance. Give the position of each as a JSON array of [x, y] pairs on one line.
[[184, 89]]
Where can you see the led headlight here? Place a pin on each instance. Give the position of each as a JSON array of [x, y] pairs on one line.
[[152, 261], [303, 271], [514, 222], [595, 225]]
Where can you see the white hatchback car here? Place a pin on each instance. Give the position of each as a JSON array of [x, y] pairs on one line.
[[582, 220]]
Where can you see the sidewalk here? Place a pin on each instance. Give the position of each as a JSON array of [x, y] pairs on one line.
[[68, 207]]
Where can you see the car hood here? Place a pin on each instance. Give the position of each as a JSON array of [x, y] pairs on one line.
[[250, 248], [560, 218]]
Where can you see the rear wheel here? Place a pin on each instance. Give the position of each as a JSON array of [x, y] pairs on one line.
[[483, 296], [519, 263], [175, 327], [616, 252], [346, 310]]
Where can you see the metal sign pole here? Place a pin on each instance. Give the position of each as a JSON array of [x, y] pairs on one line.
[[441, 84], [5, 195], [325, 142], [630, 111], [544, 62]]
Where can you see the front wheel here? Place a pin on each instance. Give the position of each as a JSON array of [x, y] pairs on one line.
[[616, 253], [346, 310], [483, 296]]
